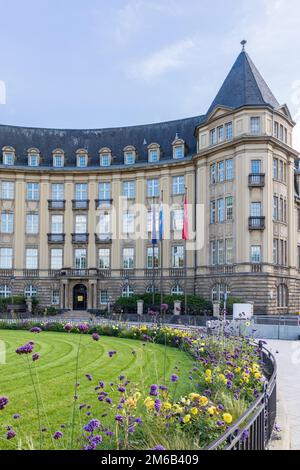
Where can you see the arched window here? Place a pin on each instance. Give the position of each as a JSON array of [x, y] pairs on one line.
[[178, 148], [218, 291], [33, 157], [5, 292], [8, 156], [129, 155], [282, 295], [177, 290], [105, 156], [81, 158], [153, 153], [58, 158], [127, 291], [30, 291], [149, 289]]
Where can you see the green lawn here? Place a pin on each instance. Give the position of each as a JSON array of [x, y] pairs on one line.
[[56, 372]]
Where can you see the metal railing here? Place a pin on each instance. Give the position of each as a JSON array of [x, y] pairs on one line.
[[253, 430], [256, 180], [257, 223]]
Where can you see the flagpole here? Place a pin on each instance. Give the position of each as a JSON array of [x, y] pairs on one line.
[[161, 260], [185, 265], [153, 252]]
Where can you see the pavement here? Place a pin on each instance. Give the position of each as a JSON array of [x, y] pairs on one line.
[[287, 355]]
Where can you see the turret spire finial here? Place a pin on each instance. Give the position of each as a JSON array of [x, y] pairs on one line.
[[243, 42]]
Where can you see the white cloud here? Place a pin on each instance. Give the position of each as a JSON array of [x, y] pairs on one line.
[[296, 137], [174, 56]]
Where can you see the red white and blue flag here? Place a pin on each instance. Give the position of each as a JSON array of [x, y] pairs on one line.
[[185, 229]]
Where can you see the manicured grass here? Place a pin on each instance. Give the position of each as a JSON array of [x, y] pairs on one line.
[[142, 364]]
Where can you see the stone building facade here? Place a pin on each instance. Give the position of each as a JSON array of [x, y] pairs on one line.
[[62, 196]]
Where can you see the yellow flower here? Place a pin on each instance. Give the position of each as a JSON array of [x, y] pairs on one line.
[[203, 401], [184, 401], [195, 396], [131, 402], [166, 406], [177, 409], [257, 375], [187, 419], [194, 411], [149, 403], [208, 372], [212, 410], [227, 418], [237, 370]]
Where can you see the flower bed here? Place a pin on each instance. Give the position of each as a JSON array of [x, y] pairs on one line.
[[224, 381]]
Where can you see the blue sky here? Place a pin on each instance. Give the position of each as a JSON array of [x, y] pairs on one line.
[[95, 63]]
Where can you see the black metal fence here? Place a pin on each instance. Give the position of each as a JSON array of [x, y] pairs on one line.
[[253, 430]]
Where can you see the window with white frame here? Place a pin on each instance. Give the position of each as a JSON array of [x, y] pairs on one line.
[[229, 251], [104, 298], [128, 258], [80, 224], [5, 292], [150, 215], [57, 191], [213, 253], [149, 289], [255, 125], [104, 225], [128, 222], [177, 219], [129, 189], [178, 152], [256, 167], [228, 131], [104, 191], [33, 159], [104, 258], [80, 256], [255, 209], [220, 245], [32, 224], [7, 222], [56, 258], [30, 291], [129, 158], [153, 155], [55, 297], [177, 256], [105, 159], [152, 254], [177, 290], [82, 159], [220, 132], [127, 291], [213, 212], [6, 258], [33, 191], [178, 185], [8, 158], [7, 190], [218, 292], [57, 224], [213, 173], [81, 192], [31, 258], [255, 254], [221, 172], [213, 136], [153, 187], [221, 210], [58, 160], [229, 169], [229, 207]]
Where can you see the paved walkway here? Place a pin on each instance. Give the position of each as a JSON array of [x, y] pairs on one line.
[[288, 363]]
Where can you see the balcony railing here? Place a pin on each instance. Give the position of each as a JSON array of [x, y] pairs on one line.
[[56, 238], [152, 272], [256, 180], [127, 272], [30, 273], [56, 205], [177, 272], [103, 203], [80, 237], [257, 223], [103, 238], [6, 273], [80, 204]]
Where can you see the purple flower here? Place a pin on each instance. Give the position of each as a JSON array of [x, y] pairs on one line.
[[95, 337], [138, 421], [154, 390], [83, 327], [92, 425], [89, 377], [83, 405], [35, 357], [68, 327], [3, 402], [119, 418], [245, 436], [131, 430], [102, 384], [158, 447], [109, 400], [16, 416], [36, 329], [112, 353], [58, 435], [93, 443], [26, 349], [157, 405], [10, 435], [220, 423], [122, 389], [174, 378]]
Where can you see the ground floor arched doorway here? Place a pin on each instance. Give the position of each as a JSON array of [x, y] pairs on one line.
[[80, 297]]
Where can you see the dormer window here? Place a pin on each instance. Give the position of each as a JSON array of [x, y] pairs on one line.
[[105, 157], [153, 153], [8, 156], [178, 149], [81, 158], [129, 155], [33, 157], [58, 158]]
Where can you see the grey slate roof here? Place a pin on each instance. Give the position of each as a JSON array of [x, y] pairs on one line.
[[244, 86], [47, 140]]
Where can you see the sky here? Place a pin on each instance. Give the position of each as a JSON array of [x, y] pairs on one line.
[[96, 63]]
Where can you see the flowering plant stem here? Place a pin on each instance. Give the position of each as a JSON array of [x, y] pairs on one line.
[[37, 403], [75, 392]]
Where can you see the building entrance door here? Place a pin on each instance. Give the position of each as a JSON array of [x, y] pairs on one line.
[[80, 297]]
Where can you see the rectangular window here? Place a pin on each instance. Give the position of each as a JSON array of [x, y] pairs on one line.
[[285, 135], [57, 224], [128, 222], [229, 251], [281, 210], [177, 256], [229, 131], [212, 212], [150, 257], [298, 257], [105, 159], [275, 251], [280, 170], [276, 129], [55, 297], [153, 188], [128, 258], [33, 191], [255, 210], [32, 224], [221, 175], [229, 169], [105, 191], [57, 192], [104, 258], [220, 208], [129, 158], [129, 189], [58, 161], [7, 190], [255, 254], [213, 253], [213, 136], [33, 160], [105, 225], [220, 134], [220, 252], [150, 221], [281, 132], [81, 192], [255, 125], [80, 258], [255, 166], [178, 185], [153, 156], [213, 173], [177, 219], [229, 208], [7, 222], [6, 258], [275, 208], [8, 158], [179, 152], [56, 258], [31, 258], [281, 252], [275, 168], [104, 297], [81, 224], [82, 161]]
